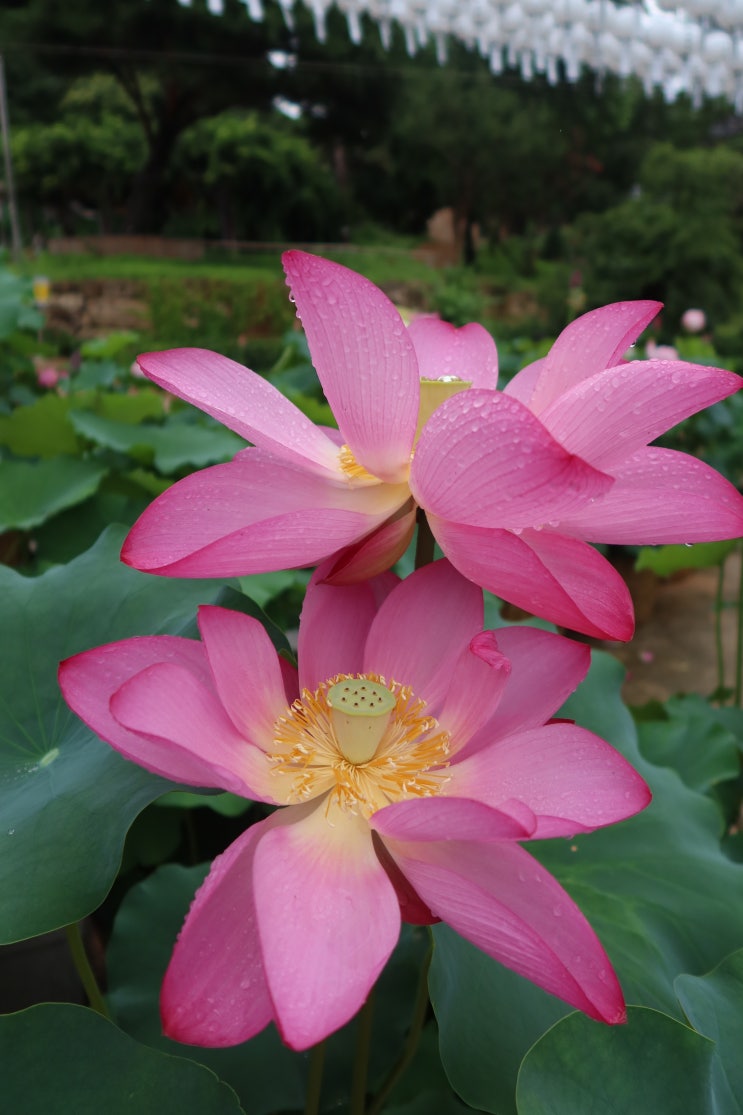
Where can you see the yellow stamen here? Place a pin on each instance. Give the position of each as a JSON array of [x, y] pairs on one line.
[[355, 473], [434, 392], [409, 760]]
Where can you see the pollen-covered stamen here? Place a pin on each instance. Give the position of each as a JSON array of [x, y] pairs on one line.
[[409, 759], [434, 392], [355, 473], [360, 710]]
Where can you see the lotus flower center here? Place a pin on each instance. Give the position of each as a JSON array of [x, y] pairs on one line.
[[363, 742], [434, 392], [360, 710]]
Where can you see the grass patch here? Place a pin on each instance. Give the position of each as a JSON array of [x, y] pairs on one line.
[[143, 268]]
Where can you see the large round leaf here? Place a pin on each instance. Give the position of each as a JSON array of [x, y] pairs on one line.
[[651, 1066], [170, 447], [67, 798], [32, 491], [714, 1006], [58, 1057], [660, 893]]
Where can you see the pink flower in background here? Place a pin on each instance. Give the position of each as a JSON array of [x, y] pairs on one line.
[[654, 351], [693, 321], [49, 376], [411, 754], [512, 486]]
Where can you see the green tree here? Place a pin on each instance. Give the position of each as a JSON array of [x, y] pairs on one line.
[[678, 238], [262, 180], [175, 64], [84, 160]]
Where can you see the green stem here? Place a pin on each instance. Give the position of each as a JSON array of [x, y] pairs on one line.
[[425, 542], [417, 1023], [719, 649], [314, 1079], [361, 1060], [84, 970], [739, 642]]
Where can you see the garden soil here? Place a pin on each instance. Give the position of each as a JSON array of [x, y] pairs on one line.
[[673, 650]]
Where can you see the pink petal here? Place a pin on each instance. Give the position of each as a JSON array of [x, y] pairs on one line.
[[505, 903], [377, 552], [89, 680], [571, 780], [243, 401], [364, 358], [214, 992], [412, 909], [449, 818], [485, 460], [246, 670], [609, 416], [545, 670], [477, 683], [328, 918], [332, 631], [595, 341], [522, 385], [547, 574], [662, 496], [421, 629], [253, 515], [468, 353], [180, 721]]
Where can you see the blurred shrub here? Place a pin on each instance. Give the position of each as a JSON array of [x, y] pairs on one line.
[[80, 166], [245, 177], [677, 239]]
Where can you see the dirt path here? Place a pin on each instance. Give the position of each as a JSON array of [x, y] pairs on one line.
[[673, 650]]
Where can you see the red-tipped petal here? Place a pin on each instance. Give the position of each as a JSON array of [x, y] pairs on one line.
[[478, 681], [215, 992], [548, 574], [545, 670], [504, 902], [246, 670], [571, 780], [167, 707], [89, 681]]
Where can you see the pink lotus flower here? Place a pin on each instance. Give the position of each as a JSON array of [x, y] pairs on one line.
[[411, 753], [654, 351], [510, 490], [693, 320], [49, 376]]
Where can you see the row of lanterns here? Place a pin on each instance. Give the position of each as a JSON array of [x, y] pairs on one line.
[[678, 46]]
